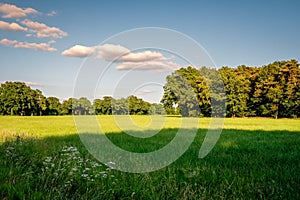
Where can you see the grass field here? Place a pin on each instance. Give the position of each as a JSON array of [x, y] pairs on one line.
[[44, 158]]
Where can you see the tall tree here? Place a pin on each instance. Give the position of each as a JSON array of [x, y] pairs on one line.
[[66, 106], [238, 87], [82, 106], [53, 106], [137, 106], [183, 88], [268, 90], [157, 109], [16, 98], [120, 106], [103, 106]]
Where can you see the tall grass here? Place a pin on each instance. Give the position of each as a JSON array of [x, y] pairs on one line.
[[43, 158]]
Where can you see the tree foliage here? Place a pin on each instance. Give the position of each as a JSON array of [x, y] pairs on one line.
[[131, 105], [16, 98], [269, 91], [272, 90]]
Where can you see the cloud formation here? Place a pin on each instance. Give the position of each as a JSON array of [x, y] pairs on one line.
[[118, 53], [145, 60], [52, 13], [29, 83], [157, 66], [11, 26], [32, 29], [110, 52], [12, 11], [42, 30], [79, 51], [145, 92], [27, 45], [142, 56], [33, 84]]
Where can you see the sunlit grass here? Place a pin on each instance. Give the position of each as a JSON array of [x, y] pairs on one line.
[[255, 158]]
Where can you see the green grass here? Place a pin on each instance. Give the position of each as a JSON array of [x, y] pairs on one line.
[[44, 158]]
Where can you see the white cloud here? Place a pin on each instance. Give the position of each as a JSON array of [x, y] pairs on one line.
[[11, 26], [157, 66], [145, 92], [145, 60], [29, 83], [118, 53], [142, 56], [32, 29], [79, 51], [12, 11], [52, 13], [42, 30], [111, 52], [33, 84], [8, 42], [52, 42], [27, 45]]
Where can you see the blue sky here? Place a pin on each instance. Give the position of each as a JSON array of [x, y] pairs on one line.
[[34, 35]]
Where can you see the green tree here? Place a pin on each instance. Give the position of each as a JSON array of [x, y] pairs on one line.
[[290, 80], [54, 107], [66, 106], [16, 98], [156, 109], [137, 106], [268, 90], [120, 106], [103, 107], [82, 106], [186, 89], [237, 87], [169, 100]]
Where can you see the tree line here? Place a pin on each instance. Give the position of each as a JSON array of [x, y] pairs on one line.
[[272, 90], [16, 98]]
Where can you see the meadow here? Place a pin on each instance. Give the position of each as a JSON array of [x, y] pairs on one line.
[[254, 158]]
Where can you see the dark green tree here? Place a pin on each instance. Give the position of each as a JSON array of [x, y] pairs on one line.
[[120, 106], [103, 106], [237, 87], [54, 107], [186, 89], [16, 98], [82, 106], [137, 106], [156, 109], [66, 106]]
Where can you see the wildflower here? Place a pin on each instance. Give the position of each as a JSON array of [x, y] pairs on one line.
[[111, 163], [84, 175], [48, 159], [96, 164], [74, 169]]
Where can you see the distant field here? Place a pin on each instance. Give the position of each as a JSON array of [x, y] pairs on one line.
[[255, 158]]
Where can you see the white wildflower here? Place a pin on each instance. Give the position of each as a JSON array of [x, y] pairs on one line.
[[84, 175]]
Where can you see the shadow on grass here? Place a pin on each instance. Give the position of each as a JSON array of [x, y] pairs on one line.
[[243, 164]]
